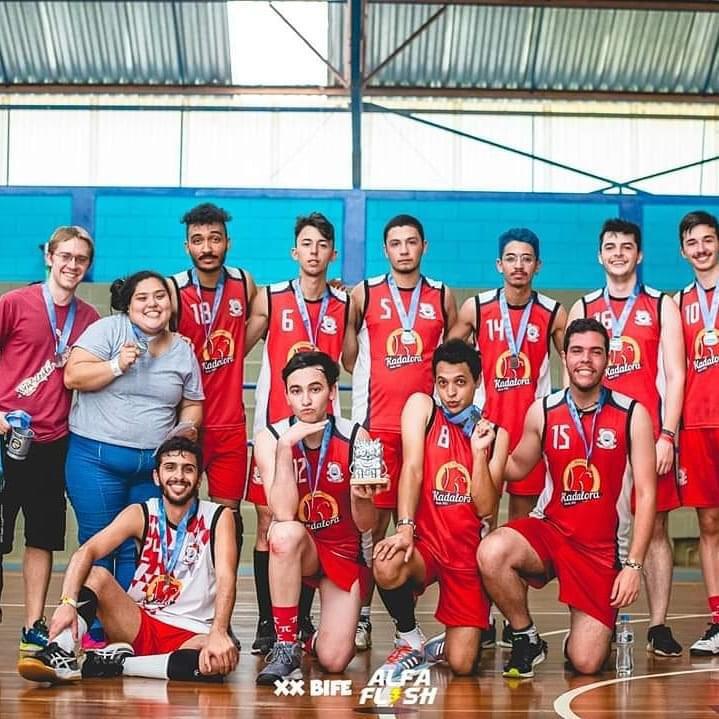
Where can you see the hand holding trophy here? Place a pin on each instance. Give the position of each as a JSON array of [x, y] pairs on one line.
[[368, 472]]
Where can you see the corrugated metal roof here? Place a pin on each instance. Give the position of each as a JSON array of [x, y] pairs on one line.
[[540, 48], [164, 43]]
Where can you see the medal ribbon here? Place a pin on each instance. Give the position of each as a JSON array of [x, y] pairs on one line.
[[61, 340], [324, 446], [467, 418], [170, 560], [619, 324], [407, 319], [709, 316], [219, 288], [305, 315], [576, 418], [514, 345]]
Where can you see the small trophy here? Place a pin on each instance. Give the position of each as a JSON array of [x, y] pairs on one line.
[[368, 465]]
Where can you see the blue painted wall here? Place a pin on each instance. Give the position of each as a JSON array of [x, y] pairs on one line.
[[140, 228]]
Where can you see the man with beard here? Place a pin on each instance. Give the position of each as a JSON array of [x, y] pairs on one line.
[[647, 363], [588, 435], [212, 301], [298, 315], [396, 322], [172, 623]]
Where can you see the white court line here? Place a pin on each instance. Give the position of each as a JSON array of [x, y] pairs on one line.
[[645, 618], [563, 701]]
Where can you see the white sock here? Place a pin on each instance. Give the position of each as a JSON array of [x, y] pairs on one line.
[[414, 638], [65, 641], [153, 666], [531, 632], [365, 612]]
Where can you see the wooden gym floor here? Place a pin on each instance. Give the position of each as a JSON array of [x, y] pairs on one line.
[[678, 687]]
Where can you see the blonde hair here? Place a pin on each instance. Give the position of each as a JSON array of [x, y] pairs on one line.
[[70, 232]]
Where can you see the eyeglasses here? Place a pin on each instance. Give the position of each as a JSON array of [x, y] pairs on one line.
[[66, 258]]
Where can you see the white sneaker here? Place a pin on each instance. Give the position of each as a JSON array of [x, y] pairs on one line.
[[363, 634], [708, 645]]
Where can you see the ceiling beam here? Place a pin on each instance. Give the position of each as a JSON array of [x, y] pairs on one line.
[[676, 5], [222, 90]]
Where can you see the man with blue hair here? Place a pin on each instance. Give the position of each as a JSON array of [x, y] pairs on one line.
[[512, 327]]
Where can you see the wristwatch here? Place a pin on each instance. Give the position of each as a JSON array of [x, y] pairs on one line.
[[406, 521], [633, 564]]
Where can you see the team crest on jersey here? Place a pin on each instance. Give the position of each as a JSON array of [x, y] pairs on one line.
[[532, 333], [329, 325], [642, 318], [191, 554], [452, 485], [511, 371], [219, 350], [318, 510], [682, 477], [426, 311], [606, 438], [403, 347], [624, 360], [581, 483], [705, 355], [235, 307], [334, 472], [256, 479], [297, 347]]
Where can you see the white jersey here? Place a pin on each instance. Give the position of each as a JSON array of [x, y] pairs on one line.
[[187, 599]]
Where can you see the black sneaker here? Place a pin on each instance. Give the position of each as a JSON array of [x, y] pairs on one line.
[[488, 637], [661, 642], [265, 637], [283, 662], [52, 664], [305, 629], [526, 654], [107, 662], [506, 640]]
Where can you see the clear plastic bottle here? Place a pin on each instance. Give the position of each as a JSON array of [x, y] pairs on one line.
[[625, 647]]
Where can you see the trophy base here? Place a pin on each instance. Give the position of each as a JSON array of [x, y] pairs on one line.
[[371, 482]]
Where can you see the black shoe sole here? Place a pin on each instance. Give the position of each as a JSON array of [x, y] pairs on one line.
[[268, 680]]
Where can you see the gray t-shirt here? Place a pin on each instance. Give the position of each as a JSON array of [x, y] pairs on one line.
[[138, 408]]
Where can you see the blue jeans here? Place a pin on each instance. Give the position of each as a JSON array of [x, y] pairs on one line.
[[102, 479]]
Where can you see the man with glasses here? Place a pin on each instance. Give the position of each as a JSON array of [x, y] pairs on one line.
[[38, 325]]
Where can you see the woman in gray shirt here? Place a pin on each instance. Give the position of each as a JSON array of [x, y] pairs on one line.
[[135, 382]]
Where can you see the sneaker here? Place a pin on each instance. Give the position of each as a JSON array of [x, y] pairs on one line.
[[434, 649], [107, 662], [265, 637], [283, 662], [305, 629], [708, 645], [524, 657], [402, 659], [51, 664], [662, 643], [488, 637], [90, 644], [363, 634], [33, 640], [506, 640]]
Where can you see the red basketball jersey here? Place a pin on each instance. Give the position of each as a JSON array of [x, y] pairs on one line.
[[221, 355], [634, 370], [701, 398], [327, 512], [388, 370], [446, 518], [584, 502], [506, 392], [286, 335]]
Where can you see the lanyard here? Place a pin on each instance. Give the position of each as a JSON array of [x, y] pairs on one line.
[[467, 418], [576, 418], [305, 315], [709, 316], [170, 560], [324, 446], [619, 324], [61, 339], [407, 319], [219, 288], [513, 344]]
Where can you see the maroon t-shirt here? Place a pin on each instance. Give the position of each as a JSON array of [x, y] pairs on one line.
[[29, 379]]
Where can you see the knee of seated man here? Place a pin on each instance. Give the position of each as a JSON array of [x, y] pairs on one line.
[[493, 550], [461, 661], [582, 663], [387, 571], [334, 661], [285, 537]]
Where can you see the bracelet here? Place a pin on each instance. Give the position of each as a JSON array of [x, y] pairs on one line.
[[70, 601], [406, 521], [115, 366], [632, 564], [668, 433]]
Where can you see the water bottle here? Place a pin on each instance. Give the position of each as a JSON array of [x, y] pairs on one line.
[[625, 647]]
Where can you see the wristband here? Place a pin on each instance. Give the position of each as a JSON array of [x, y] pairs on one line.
[[406, 521], [668, 433], [632, 564], [667, 438], [115, 366], [70, 601]]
